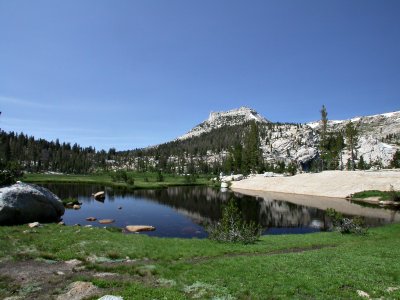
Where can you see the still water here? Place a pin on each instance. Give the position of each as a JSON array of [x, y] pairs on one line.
[[186, 211]]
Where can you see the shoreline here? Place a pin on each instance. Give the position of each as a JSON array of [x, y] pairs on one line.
[[332, 184], [320, 202]]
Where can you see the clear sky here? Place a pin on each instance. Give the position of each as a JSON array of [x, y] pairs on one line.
[[129, 74]]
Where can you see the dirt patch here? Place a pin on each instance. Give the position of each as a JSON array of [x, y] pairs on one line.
[[33, 279]]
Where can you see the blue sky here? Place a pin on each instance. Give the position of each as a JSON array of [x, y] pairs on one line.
[[129, 74]]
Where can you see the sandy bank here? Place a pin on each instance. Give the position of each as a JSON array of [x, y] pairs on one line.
[[337, 184]]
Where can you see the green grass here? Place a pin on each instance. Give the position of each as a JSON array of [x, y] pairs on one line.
[[146, 180], [311, 266], [383, 195]]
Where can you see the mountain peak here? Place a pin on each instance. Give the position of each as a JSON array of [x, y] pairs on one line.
[[247, 113], [231, 117]]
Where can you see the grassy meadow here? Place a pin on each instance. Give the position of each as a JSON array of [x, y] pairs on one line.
[[313, 266], [146, 180]]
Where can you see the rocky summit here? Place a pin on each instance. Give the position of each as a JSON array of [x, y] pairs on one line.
[[228, 118]]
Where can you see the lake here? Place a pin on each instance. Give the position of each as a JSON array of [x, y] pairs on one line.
[[185, 211]]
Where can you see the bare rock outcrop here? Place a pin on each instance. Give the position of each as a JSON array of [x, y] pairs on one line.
[[24, 203]]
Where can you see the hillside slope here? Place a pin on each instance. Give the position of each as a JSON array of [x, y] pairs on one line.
[[212, 141]]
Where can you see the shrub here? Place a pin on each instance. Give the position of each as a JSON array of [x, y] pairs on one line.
[[119, 175], [394, 195], [232, 228], [190, 178], [160, 177], [131, 180], [10, 173], [346, 225]]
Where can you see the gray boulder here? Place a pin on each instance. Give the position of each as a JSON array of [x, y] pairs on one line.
[[23, 203]]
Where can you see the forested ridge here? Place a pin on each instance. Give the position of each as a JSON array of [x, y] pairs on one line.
[[39, 155], [224, 144]]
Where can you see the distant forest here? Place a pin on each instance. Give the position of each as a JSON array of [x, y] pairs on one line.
[[241, 142]]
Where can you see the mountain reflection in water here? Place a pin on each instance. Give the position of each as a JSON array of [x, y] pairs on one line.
[[185, 211]]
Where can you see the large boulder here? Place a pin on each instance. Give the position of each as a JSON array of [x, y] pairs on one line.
[[23, 203]]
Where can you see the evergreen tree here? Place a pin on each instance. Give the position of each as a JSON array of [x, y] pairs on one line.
[[361, 163], [395, 163], [323, 138], [351, 133], [252, 154]]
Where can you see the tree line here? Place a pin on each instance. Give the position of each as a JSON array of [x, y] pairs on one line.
[[38, 155]]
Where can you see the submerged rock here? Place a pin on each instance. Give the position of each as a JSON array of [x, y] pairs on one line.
[[23, 203]]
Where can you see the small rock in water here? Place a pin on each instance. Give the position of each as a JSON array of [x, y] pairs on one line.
[[91, 219], [119, 207], [99, 195], [224, 184], [88, 226], [34, 224], [106, 221], [76, 206], [138, 228]]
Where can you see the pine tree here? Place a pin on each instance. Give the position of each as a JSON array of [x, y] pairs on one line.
[[361, 163], [351, 133], [252, 154], [395, 163], [323, 139]]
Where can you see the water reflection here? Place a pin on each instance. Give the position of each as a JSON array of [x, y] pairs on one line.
[[185, 211]]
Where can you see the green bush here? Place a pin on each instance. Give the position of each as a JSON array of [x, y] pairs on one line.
[[346, 225], [232, 228], [160, 177], [394, 195], [190, 178], [9, 173], [122, 176], [131, 180]]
